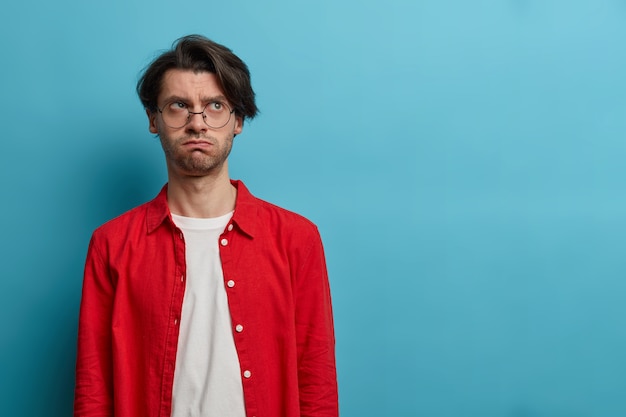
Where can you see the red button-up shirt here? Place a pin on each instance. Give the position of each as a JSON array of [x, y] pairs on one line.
[[277, 286]]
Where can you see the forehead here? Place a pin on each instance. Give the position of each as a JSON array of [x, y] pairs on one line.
[[190, 85]]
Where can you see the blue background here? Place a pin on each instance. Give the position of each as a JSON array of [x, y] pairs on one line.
[[463, 160]]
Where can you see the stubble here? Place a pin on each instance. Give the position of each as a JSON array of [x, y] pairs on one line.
[[198, 161]]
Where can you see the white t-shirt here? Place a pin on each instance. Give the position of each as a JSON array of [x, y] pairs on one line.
[[207, 377]]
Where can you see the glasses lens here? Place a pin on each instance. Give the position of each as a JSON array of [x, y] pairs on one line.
[[175, 115], [216, 114]]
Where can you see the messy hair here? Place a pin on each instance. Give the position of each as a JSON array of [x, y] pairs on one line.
[[199, 54]]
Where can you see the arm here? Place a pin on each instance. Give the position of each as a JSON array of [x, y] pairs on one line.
[[315, 336], [94, 387]]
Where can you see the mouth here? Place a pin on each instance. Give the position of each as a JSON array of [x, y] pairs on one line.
[[196, 143]]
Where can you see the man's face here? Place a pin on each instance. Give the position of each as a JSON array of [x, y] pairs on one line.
[[194, 149]]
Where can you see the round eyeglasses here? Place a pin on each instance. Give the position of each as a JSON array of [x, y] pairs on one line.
[[176, 114]]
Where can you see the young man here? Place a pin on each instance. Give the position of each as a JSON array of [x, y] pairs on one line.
[[205, 301]]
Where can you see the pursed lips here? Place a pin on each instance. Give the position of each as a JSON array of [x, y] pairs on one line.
[[197, 142]]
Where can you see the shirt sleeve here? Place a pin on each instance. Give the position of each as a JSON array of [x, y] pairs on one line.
[[317, 377], [94, 386]]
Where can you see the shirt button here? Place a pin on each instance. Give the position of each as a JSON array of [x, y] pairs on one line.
[[239, 328], [230, 283], [230, 227], [247, 374], [224, 242]]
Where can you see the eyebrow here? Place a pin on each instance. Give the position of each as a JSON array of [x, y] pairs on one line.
[[173, 98]]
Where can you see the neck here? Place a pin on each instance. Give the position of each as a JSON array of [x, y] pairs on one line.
[[201, 197]]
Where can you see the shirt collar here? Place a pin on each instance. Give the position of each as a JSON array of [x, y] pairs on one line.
[[244, 216]]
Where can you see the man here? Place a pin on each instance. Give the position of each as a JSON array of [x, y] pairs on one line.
[[205, 301]]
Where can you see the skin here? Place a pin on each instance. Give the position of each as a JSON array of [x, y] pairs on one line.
[[196, 155]]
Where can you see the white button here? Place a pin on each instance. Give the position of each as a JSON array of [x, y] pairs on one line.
[[230, 227], [175, 321], [181, 236], [247, 374], [230, 283], [239, 328], [224, 242], [182, 278]]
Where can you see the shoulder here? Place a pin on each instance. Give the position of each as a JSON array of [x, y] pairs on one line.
[[253, 213], [123, 221], [140, 219], [286, 224], [285, 216]]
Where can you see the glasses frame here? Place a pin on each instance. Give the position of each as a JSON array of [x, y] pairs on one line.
[[204, 116]]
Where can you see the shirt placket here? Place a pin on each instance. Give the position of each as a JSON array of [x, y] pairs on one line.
[[173, 325], [234, 286]]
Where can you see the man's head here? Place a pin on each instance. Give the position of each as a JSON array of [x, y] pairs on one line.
[[199, 54], [197, 96]]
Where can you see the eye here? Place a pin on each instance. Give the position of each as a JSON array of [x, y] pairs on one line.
[[177, 106], [215, 106]]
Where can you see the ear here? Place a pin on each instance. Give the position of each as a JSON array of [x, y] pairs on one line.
[[238, 125], [152, 116]]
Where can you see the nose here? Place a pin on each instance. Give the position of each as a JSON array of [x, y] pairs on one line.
[[196, 122]]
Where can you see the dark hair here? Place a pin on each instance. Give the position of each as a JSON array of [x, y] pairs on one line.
[[198, 54]]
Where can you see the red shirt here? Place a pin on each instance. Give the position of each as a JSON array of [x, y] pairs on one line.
[[277, 287]]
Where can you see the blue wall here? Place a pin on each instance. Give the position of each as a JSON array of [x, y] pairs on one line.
[[463, 160]]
